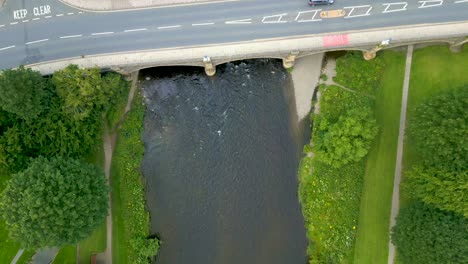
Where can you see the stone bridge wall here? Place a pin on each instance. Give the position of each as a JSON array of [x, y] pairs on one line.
[[454, 34]]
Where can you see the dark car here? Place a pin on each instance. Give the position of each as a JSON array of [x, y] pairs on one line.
[[320, 2]]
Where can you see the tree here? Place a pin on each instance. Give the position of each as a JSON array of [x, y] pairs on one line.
[[347, 140], [439, 129], [23, 92], [424, 234], [445, 189], [85, 93], [54, 202]]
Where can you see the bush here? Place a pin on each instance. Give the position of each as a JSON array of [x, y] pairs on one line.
[[358, 74], [425, 235], [127, 158]]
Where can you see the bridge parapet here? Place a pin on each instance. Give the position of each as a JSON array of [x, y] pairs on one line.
[[287, 49]]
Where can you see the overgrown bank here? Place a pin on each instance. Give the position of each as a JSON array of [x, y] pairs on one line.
[[131, 242]]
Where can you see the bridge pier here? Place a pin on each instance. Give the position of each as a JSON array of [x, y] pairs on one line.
[[457, 46], [289, 61], [210, 69]]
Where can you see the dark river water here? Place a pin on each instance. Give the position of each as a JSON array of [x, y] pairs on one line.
[[220, 163]]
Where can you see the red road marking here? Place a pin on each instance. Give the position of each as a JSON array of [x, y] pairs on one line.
[[335, 40]]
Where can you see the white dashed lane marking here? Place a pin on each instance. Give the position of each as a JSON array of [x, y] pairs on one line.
[[59, 15], [71, 36], [168, 27], [241, 21], [37, 18], [102, 33], [9, 47], [14, 23], [69, 14], [36, 41], [25, 21], [2, 26], [47, 16], [202, 24], [461, 1], [136, 29]]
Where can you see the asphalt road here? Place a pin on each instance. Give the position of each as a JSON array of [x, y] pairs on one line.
[[49, 30]]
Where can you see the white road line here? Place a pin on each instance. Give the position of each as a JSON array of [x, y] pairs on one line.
[[136, 29], [361, 15], [461, 1], [430, 3], [388, 5], [14, 23], [202, 24], [167, 27], [241, 21], [37, 41], [47, 16], [71, 36], [37, 18], [59, 15], [9, 47], [102, 33], [312, 12], [25, 21], [266, 19], [2, 25], [80, 12], [70, 14]]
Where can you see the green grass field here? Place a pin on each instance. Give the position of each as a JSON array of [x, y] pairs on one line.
[[119, 247], [66, 255], [372, 236]]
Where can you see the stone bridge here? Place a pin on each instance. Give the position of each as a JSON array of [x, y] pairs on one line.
[[287, 49]]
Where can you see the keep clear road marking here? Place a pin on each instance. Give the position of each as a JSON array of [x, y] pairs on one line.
[[136, 29], [430, 3], [202, 24], [311, 18], [36, 41], [71, 36], [395, 7], [102, 33], [274, 19], [9, 47], [241, 21], [369, 8]]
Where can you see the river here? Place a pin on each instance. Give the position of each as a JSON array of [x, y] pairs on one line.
[[220, 163]]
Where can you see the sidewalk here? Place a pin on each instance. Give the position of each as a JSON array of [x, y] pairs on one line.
[[119, 5], [2, 2]]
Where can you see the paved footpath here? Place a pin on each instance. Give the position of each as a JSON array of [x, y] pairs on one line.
[[399, 157], [117, 5]]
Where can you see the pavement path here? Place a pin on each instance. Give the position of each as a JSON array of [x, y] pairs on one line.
[[17, 256], [399, 157], [118, 5], [44, 256]]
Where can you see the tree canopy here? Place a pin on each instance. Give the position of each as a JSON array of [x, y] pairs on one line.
[[439, 129], [347, 140], [54, 202], [23, 92], [445, 189], [424, 234], [84, 91]]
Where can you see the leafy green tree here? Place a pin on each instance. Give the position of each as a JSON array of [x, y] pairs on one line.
[[424, 234], [23, 92], [54, 202], [445, 189], [347, 140], [439, 129], [85, 93]]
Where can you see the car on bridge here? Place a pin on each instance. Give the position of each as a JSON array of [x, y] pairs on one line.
[[320, 2]]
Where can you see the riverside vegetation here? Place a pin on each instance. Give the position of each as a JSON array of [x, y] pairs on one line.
[[49, 127]]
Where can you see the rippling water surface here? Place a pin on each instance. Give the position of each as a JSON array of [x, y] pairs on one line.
[[220, 165]]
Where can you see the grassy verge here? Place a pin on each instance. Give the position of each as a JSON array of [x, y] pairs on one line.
[[8, 248], [66, 255], [131, 221], [372, 236]]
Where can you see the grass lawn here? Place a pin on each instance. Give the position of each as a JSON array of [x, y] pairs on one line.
[[66, 255], [372, 235], [93, 244], [119, 248]]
